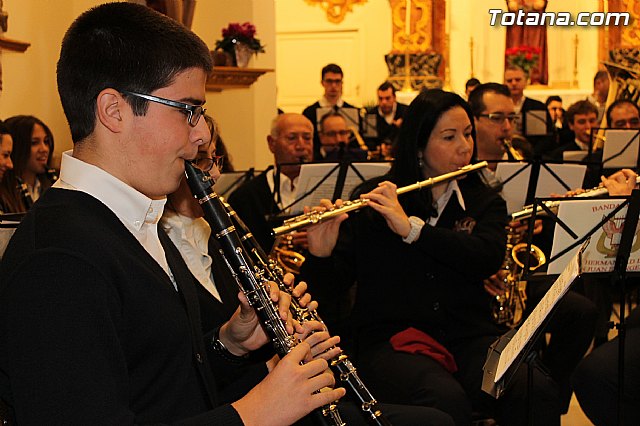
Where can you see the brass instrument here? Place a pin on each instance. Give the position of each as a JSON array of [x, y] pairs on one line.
[[315, 217], [511, 150], [284, 253], [527, 211], [508, 308]]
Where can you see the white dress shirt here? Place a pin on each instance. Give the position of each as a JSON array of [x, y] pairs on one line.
[[441, 203], [287, 189], [191, 236], [137, 212]]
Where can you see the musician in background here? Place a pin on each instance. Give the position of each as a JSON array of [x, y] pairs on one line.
[[273, 191], [337, 141], [389, 113], [100, 318], [573, 322], [581, 117], [6, 147], [623, 114], [332, 80], [470, 86], [31, 156], [419, 261], [218, 298], [595, 380], [600, 92]]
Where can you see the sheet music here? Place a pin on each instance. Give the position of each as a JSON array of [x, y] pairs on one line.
[[574, 155], [226, 181], [620, 149], [311, 174], [535, 319], [351, 115], [600, 254], [536, 122], [515, 190]]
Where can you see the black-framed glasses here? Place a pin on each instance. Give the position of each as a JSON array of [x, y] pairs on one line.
[[499, 117], [206, 163], [194, 112]]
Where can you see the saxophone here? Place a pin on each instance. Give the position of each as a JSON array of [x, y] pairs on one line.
[[251, 279], [508, 308], [341, 365]]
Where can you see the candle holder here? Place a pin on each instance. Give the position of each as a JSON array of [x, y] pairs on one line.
[[407, 86]]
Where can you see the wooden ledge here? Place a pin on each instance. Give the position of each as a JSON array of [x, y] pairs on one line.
[[13, 45], [222, 78]]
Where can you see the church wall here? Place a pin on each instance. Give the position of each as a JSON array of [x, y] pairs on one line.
[[299, 41]]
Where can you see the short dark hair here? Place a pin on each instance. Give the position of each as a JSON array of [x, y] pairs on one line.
[[600, 75], [552, 98], [617, 104], [124, 46], [332, 68], [580, 107], [386, 86], [4, 130], [476, 98], [471, 83], [330, 114]]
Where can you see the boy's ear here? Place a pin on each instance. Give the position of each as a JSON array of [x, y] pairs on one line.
[[111, 109]]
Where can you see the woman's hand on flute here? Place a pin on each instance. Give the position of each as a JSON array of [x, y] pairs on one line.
[[322, 238], [384, 200]]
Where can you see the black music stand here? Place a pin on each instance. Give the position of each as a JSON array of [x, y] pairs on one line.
[[618, 277], [333, 181], [230, 181]]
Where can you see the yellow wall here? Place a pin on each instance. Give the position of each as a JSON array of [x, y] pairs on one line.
[[244, 115]]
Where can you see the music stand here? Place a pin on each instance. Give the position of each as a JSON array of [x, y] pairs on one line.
[[540, 179], [8, 224], [534, 123], [332, 181], [230, 181], [515, 345], [620, 149]]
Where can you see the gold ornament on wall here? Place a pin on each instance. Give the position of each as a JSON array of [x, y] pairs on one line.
[[336, 10], [419, 25]]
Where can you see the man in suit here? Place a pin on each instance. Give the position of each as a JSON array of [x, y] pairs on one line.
[[337, 141], [581, 117], [100, 319], [332, 81], [389, 113], [516, 80], [273, 191]]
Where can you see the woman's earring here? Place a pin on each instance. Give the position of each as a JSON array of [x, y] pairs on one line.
[[420, 162]]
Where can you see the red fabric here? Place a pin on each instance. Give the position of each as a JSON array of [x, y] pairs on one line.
[[414, 341]]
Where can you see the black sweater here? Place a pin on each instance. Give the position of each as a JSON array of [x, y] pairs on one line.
[[92, 330], [434, 284]]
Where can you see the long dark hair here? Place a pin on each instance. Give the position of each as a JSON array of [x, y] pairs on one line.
[[419, 121], [21, 128]]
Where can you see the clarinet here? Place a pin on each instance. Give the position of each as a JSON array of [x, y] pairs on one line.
[[250, 278], [341, 365]]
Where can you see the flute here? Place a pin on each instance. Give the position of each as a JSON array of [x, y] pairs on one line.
[[314, 217], [552, 205]]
